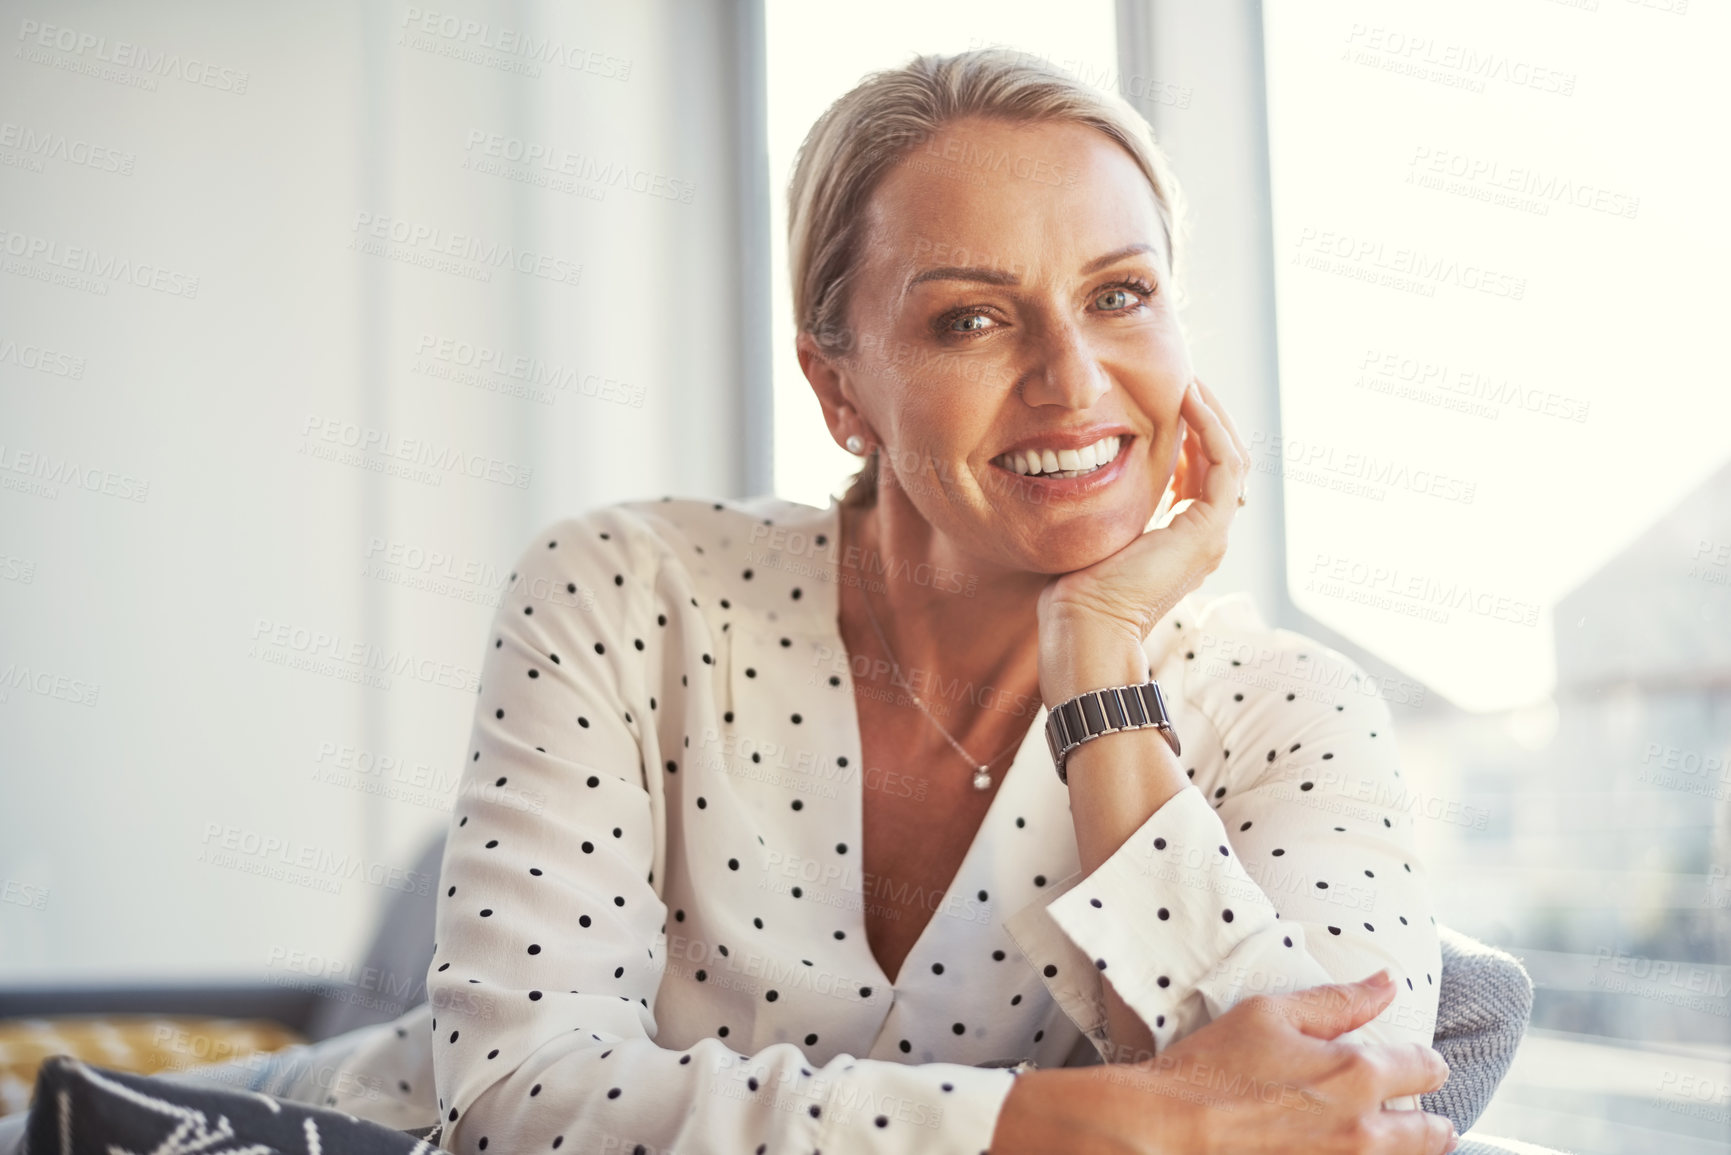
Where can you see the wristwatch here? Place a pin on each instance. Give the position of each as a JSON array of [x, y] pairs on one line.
[[1096, 712]]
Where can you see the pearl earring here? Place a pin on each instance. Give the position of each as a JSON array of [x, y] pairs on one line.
[[855, 444]]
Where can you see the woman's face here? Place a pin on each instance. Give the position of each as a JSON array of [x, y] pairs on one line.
[[1012, 302]]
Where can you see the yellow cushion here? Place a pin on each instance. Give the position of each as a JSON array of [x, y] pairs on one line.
[[146, 1044]]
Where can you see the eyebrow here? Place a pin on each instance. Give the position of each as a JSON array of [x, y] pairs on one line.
[[992, 276]]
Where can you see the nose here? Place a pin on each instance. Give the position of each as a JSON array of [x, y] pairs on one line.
[[1065, 370]]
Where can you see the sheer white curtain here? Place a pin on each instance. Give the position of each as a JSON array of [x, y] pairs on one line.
[[309, 317]]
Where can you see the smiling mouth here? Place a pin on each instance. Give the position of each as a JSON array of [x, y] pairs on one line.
[[1062, 462]]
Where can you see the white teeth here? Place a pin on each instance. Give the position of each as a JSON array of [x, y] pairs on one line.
[[1063, 462]]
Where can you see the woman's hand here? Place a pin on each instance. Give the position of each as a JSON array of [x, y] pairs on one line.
[[1267, 1076], [1093, 620]]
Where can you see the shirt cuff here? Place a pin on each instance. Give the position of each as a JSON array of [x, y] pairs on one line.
[[886, 1108], [1159, 917]]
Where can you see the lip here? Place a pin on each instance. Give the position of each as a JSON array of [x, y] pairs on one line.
[[1068, 439], [1083, 486]]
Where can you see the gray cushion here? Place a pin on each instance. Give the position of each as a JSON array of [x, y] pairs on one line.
[[1483, 1004]]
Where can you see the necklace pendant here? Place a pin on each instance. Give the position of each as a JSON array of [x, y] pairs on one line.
[[982, 780]]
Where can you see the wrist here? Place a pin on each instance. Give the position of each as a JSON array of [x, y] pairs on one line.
[[1077, 655], [1059, 1109]]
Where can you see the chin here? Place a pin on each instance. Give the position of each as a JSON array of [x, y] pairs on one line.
[[1071, 543]]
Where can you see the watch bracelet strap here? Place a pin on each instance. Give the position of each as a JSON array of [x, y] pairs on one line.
[[1093, 713]]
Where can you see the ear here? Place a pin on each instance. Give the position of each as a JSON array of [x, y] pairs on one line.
[[830, 382]]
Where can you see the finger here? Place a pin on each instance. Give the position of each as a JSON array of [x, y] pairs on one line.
[[1412, 1069], [1226, 465], [1225, 415], [1191, 462], [1328, 1011], [1415, 1131]]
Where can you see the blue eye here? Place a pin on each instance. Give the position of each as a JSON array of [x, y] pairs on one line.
[[1124, 299], [960, 324]]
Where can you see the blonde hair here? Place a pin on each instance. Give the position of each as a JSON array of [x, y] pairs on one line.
[[889, 113]]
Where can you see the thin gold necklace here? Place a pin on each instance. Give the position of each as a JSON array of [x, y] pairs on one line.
[[982, 771]]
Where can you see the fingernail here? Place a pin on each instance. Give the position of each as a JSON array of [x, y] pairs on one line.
[[1380, 978], [1454, 1141]]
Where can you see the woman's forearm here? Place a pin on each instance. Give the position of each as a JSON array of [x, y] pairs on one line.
[[1081, 1112], [1117, 782]]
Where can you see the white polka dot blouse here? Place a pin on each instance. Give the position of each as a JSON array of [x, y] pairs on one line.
[[650, 932]]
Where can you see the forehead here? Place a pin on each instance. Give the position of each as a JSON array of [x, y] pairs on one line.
[[1045, 197]]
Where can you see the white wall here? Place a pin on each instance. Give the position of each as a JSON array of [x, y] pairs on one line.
[[165, 503]]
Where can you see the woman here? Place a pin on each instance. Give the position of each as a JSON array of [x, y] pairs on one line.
[[760, 844]]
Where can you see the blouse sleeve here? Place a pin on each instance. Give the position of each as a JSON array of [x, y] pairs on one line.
[[546, 962], [1287, 863]]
